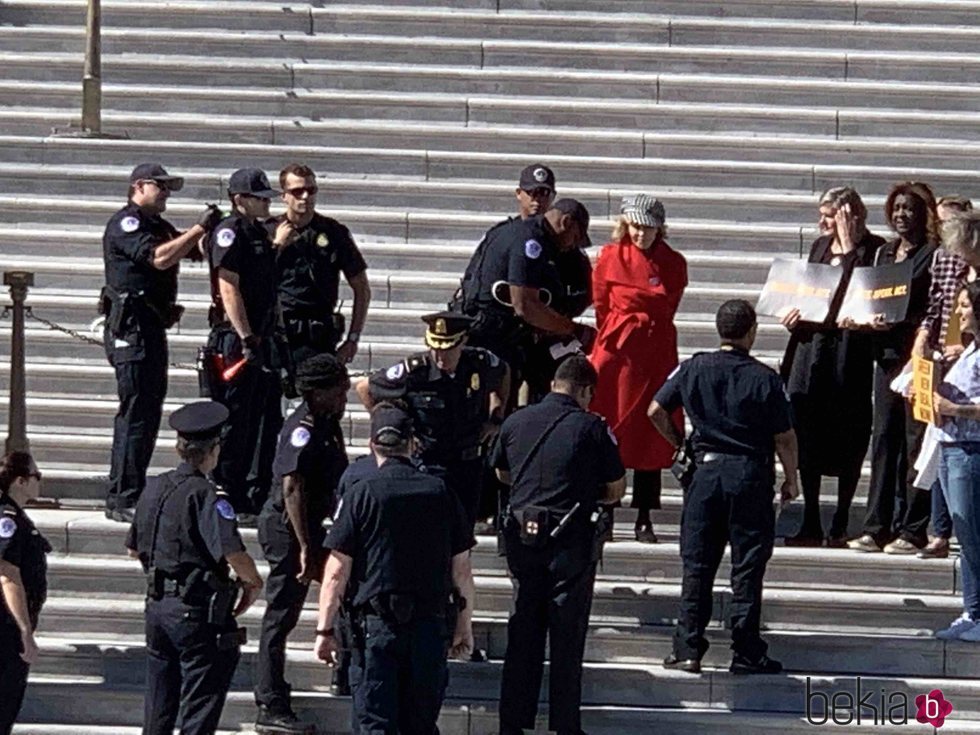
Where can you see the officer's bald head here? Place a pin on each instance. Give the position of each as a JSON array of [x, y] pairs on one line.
[[577, 378], [736, 323]]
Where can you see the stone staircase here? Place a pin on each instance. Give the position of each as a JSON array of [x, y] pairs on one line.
[[418, 117]]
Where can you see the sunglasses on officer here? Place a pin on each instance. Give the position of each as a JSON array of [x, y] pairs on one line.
[[299, 191], [539, 192], [162, 186]]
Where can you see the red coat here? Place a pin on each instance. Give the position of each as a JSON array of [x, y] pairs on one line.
[[636, 295]]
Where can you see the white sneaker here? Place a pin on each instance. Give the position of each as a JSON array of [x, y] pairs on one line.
[[963, 624]]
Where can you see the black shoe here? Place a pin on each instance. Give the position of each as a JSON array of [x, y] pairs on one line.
[[762, 665], [281, 721], [122, 515], [690, 665], [479, 656]]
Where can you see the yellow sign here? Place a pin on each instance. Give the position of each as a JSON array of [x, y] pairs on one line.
[[925, 380]]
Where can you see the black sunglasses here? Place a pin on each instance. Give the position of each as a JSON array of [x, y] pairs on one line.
[[301, 190]]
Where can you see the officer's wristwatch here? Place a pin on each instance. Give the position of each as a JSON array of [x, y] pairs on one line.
[[354, 337], [327, 633]]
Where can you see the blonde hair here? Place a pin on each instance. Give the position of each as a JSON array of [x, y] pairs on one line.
[[621, 230], [838, 196], [961, 234]]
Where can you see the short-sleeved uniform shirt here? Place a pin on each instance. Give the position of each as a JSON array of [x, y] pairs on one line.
[[309, 268], [311, 447], [449, 410], [401, 527], [520, 253], [244, 248], [735, 403], [23, 546], [572, 464], [130, 238], [197, 525]]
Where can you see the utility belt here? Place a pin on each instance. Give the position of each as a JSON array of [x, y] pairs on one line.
[[401, 609], [315, 331], [493, 322], [538, 527], [221, 360], [200, 589], [119, 307]]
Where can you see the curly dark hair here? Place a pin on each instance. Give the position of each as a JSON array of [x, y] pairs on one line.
[[321, 371], [922, 192], [13, 466]]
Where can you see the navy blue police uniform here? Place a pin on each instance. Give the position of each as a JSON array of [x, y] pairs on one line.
[[183, 532], [736, 406], [139, 303], [22, 546], [449, 410], [560, 458], [309, 271], [400, 592], [254, 393], [311, 447]]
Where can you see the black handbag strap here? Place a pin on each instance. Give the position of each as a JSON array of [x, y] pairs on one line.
[[537, 445]]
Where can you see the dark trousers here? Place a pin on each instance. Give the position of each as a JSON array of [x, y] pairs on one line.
[[187, 676], [552, 601], [895, 441], [465, 480], [846, 488], [13, 677], [284, 598], [942, 521], [730, 500], [646, 490], [398, 677], [248, 447], [141, 383]]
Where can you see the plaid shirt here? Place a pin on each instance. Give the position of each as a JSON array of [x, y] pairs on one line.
[[949, 274]]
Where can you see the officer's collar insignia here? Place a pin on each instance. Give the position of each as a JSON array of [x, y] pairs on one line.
[[225, 237], [224, 509], [475, 381], [322, 241], [300, 437], [440, 328], [395, 371], [532, 249], [129, 224], [8, 527]]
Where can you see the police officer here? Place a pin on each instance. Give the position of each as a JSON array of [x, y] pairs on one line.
[[456, 396], [740, 414], [309, 271], [244, 320], [23, 581], [186, 538], [513, 278], [561, 463], [406, 614], [141, 251], [308, 465]]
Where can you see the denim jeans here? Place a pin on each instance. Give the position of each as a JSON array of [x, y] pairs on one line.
[[942, 524], [959, 475]]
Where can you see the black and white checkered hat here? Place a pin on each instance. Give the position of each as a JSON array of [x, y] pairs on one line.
[[643, 209]]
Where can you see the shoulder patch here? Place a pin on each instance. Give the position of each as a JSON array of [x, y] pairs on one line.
[[532, 249], [300, 437], [395, 372], [225, 237], [224, 508], [8, 527], [129, 224]]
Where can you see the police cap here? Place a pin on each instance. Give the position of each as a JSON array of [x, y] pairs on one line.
[[577, 211], [446, 329], [199, 420], [251, 181], [321, 372], [156, 172], [391, 425], [537, 176]]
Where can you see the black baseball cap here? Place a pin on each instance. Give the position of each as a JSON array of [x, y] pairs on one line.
[[579, 213], [391, 425], [537, 176], [251, 181], [156, 172], [199, 420]]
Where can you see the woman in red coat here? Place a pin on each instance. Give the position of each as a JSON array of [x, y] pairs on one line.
[[637, 286]]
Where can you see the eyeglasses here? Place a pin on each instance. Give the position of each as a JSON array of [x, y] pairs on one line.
[[540, 192], [158, 184], [299, 191]]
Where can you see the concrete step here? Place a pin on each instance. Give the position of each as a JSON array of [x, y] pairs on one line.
[[645, 603]]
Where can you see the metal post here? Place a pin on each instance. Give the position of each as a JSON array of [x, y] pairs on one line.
[[92, 76], [19, 282]]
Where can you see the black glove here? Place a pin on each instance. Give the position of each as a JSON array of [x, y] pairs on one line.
[[210, 218], [586, 335], [251, 350]]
